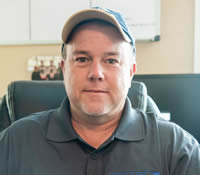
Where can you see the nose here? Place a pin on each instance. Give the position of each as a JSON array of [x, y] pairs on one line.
[[96, 72]]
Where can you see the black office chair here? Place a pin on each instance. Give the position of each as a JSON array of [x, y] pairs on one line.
[[4, 116], [26, 97]]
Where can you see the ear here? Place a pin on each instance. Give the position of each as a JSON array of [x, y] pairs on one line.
[[133, 70], [62, 65]]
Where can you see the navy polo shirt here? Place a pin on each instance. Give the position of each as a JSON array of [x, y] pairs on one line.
[[45, 143]]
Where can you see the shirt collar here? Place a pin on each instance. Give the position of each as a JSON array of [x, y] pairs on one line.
[[131, 127], [60, 127]]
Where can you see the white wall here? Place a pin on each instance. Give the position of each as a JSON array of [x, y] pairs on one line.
[[173, 54]]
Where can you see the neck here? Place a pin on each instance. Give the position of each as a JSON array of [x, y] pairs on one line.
[[95, 134]]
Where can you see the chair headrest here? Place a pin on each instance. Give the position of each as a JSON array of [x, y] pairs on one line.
[[26, 97], [138, 95]]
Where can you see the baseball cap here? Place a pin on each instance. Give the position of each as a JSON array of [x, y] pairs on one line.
[[107, 15]]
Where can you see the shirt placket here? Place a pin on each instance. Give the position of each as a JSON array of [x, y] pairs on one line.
[[92, 162]]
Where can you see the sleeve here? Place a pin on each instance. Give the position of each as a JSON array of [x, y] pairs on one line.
[[4, 152], [181, 152], [188, 157]]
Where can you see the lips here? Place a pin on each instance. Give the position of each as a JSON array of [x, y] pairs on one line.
[[95, 91]]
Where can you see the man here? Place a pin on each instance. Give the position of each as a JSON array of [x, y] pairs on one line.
[[95, 130]]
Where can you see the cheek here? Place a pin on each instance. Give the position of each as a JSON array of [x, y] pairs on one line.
[[66, 75], [72, 81], [121, 82], [125, 76], [68, 79]]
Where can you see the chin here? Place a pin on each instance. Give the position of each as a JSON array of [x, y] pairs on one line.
[[96, 111]]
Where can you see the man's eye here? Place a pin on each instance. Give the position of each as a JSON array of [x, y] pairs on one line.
[[112, 61], [81, 59]]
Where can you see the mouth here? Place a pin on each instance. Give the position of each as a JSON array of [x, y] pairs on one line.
[[97, 91]]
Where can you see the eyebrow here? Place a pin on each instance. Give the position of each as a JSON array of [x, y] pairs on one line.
[[111, 54], [76, 52]]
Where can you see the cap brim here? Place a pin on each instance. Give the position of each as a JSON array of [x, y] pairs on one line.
[[87, 15]]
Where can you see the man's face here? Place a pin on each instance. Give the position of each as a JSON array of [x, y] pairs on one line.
[[97, 71]]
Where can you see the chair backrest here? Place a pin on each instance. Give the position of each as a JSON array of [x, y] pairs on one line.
[[26, 97], [4, 116]]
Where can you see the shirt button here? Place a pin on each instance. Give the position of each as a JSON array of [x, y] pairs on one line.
[[94, 156]]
